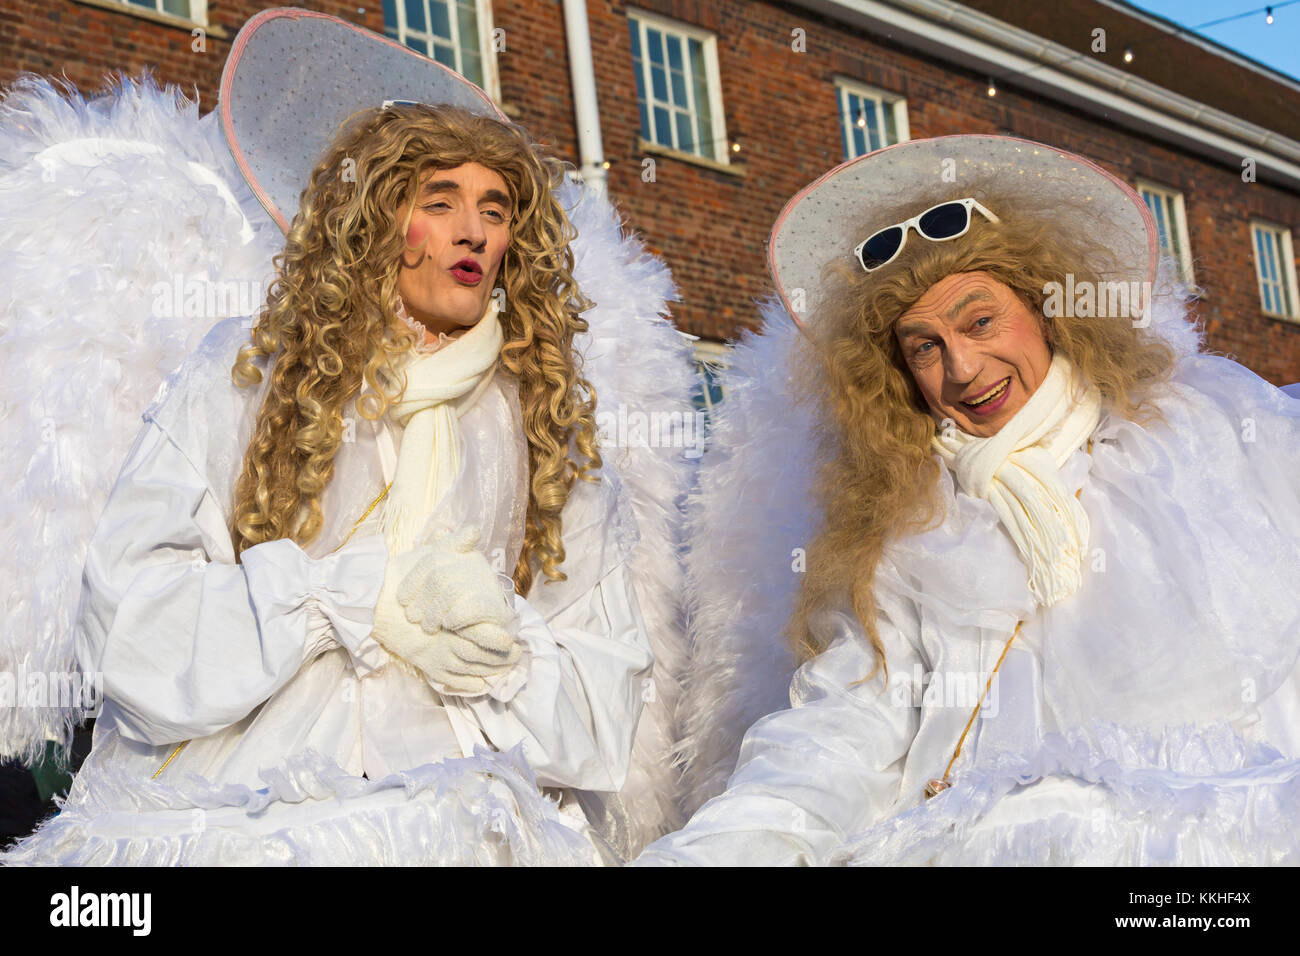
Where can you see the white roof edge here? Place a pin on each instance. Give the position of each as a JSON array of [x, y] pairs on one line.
[[1205, 43], [985, 44]]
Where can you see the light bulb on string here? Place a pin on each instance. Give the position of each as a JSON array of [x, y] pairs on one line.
[[993, 89], [1268, 15], [1128, 54]]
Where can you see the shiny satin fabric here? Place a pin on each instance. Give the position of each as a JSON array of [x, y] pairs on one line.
[[268, 668], [1152, 717]]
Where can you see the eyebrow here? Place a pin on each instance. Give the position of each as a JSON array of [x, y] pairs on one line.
[[432, 186], [920, 328], [977, 296]]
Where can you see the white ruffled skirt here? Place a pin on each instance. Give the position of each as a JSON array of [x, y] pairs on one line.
[[1206, 799], [467, 811]]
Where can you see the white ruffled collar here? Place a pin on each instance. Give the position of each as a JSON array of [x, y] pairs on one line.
[[427, 344]]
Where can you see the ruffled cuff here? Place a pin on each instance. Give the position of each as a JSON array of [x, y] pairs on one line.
[[335, 595]]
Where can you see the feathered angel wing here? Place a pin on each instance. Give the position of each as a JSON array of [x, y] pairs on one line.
[[640, 367], [119, 215], [748, 527]]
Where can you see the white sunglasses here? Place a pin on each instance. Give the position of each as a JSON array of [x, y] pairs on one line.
[[947, 220]]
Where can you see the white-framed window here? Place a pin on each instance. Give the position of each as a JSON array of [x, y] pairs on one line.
[[1275, 269], [678, 88], [870, 119], [1167, 209], [195, 11], [710, 361], [456, 33]]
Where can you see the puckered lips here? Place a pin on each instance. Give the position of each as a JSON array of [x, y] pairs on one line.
[[989, 400], [467, 271]]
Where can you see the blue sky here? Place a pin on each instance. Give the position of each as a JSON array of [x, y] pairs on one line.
[[1277, 46]]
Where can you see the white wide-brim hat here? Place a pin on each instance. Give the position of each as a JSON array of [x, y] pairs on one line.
[[827, 219], [294, 76]]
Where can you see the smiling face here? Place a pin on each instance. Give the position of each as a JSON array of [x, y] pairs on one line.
[[457, 236], [975, 350]]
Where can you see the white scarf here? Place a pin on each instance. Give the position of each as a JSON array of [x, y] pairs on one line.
[[440, 387], [1017, 472]]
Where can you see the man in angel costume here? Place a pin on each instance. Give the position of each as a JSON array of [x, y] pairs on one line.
[[1036, 555], [366, 590]]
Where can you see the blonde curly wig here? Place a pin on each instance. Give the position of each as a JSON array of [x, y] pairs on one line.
[[330, 315], [878, 478]]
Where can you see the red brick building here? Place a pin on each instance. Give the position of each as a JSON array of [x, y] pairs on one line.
[[710, 115]]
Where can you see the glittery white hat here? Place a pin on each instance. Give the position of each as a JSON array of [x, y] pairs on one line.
[[827, 219], [293, 76]]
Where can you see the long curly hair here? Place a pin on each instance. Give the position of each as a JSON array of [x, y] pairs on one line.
[[878, 480], [331, 315]]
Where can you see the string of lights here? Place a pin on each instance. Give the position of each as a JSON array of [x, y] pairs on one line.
[[1008, 77], [1130, 51]]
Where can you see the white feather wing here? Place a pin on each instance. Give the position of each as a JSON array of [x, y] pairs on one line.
[[749, 523], [118, 214], [641, 369]]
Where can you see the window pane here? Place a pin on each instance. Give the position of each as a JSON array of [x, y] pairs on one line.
[[441, 19], [869, 108], [685, 140], [445, 55], [645, 116], [663, 128], [1175, 235], [1158, 210], [703, 109], [471, 67], [679, 89], [415, 15], [467, 27], [655, 40], [177, 8], [390, 17], [1270, 261], [634, 29], [891, 131], [674, 52], [658, 82]]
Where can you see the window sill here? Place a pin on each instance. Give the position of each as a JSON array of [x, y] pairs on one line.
[[731, 169], [1278, 317], [154, 16]]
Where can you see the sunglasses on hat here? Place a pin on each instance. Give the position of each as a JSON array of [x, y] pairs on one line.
[[948, 220]]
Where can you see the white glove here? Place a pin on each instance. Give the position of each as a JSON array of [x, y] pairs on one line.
[[442, 609]]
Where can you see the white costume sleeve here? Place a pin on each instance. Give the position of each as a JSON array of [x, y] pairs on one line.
[[186, 640], [808, 776], [576, 696]]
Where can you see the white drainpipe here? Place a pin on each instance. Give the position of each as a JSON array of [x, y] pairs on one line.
[[582, 74]]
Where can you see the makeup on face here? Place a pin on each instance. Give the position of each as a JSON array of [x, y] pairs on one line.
[[457, 232], [975, 350]]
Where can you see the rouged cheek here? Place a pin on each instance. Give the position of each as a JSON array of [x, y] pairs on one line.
[[417, 235]]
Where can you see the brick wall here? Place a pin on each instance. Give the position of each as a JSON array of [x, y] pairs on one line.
[[780, 106]]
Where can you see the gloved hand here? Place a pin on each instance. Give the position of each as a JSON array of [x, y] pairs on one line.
[[442, 609]]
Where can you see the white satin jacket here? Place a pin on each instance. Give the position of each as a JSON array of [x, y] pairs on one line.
[[249, 663], [1151, 717]]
